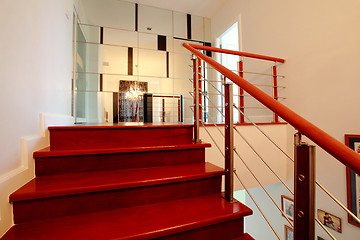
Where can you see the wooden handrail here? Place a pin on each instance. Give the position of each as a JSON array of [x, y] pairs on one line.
[[243, 54], [337, 149]]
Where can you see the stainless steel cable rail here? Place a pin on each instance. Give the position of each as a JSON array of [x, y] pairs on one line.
[[262, 186], [257, 205], [251, 172], [263, 133], [262, 159], [304, 161]]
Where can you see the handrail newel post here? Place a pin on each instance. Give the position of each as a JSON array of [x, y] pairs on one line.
[[275, 89], [241, 92], [229, 143], [304, 196], [197, 119]]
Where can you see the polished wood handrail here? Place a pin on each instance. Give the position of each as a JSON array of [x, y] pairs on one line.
[[243, 54], [337, 149]]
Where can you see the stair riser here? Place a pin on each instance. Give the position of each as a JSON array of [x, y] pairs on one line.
[[103, 162], [39, 209], [119, 137], [224, 231]]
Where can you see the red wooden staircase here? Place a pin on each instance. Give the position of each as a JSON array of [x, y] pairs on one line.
[[125, 182]]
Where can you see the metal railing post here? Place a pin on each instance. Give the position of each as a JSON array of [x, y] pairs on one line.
[[181, 108], [74, 77], [163, 113], [229, 143], [304, 196], [196, 99]]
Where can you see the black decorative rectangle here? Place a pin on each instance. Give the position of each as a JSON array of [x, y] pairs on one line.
[[161, 43], [148, 108], [136, 16], [167, 65], [115, 107], [208, 53], [101, 35], [189, 26], [101, 82], [130, 60]]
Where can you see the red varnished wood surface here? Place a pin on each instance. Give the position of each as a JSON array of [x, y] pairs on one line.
[[141, 222], [128, 125], [224, 231], [49, 152], [46, 208], [115, 161], [245, 237], [81, 138], [59, 185]]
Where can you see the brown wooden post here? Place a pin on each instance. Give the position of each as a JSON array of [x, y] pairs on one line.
[[304, 182], [241, 93], [229, 143], [275, 91]]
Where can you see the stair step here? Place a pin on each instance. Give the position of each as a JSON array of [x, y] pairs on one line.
[[244, 237], [141, 222], [60, 185], [49, 161], [70, 194], [82, 137], [49, 152]]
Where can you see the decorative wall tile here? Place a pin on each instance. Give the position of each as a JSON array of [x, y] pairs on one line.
[[180, 25], [197, 28], [115, 14], [155, 20], [148, 41], [120, 37]]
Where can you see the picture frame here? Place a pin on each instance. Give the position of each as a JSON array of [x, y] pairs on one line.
[[329, 220], [353, 181], [289, 233], [287, 206]]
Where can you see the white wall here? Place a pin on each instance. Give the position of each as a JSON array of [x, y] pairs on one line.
[[320, 42], [35, 66]]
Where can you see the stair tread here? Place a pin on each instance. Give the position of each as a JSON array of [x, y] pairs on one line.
[[141, 222], [49, 152], [84, 182], [244, 237], [122, 125]]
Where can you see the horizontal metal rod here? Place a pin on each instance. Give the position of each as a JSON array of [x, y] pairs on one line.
[[262, 186], [338, 202], [232, 52], [213, 122], [263, 133], [327, 231], [257, 205], [212, 139], [256, 73], [165, 96], [262, 159], [135, 75], [135, 47], [331, 145]]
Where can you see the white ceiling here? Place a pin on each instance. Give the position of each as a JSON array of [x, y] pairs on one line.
[[205, 8]]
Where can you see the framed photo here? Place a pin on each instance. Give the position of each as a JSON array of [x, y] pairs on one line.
[[287, 205], [289, 233], [353, 181], [331, 221]]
